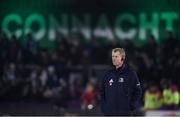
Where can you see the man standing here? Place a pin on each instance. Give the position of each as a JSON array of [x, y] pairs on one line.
[[120, 87]]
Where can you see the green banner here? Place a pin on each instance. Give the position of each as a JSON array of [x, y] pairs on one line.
[[107, 20]]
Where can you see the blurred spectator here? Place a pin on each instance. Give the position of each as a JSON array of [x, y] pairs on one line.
[[170, 43], [31, 44], [88, 97], [13, 50], [151, 47], [153, 98], [30, 49], [170, 95]]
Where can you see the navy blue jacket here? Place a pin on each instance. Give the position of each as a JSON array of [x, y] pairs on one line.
[[120, 91]]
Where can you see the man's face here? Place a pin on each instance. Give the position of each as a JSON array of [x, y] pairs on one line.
[[117, 59]]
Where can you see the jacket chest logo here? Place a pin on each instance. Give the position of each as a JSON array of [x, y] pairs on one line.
[[111, 82], [121, 79]]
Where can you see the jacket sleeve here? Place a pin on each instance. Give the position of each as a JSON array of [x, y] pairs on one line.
[[136, 93]]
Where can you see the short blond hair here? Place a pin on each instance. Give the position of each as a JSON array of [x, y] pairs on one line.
[[121, 52]]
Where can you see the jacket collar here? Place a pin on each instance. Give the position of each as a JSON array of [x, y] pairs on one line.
[[121, 69]]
